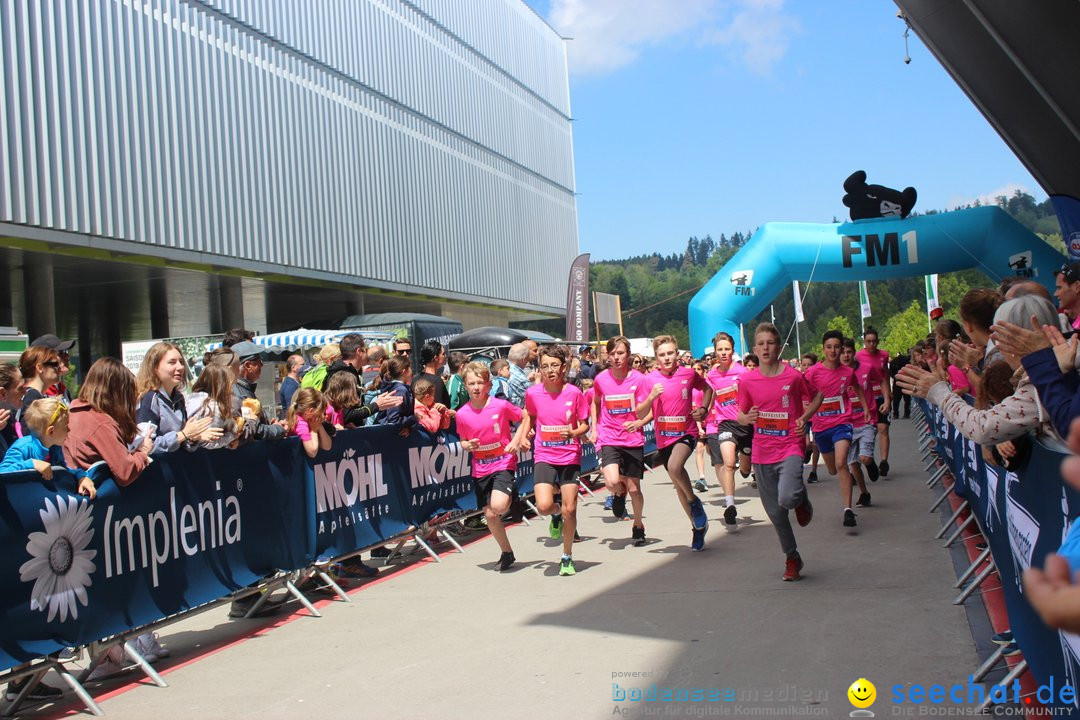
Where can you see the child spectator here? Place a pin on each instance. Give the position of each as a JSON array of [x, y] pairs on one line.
[[500, 379], [305, 420], [212, 397], [341, 397], [46, 421], [159, 386], [11, 392], [456, 387], [397, 376], [431, 415], [102, 423]]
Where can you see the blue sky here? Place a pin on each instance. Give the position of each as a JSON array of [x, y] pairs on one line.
[[702, 117]]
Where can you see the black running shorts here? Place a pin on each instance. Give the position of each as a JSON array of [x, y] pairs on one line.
[[631, 460]]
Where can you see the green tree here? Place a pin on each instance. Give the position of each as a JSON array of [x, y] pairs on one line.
[[903, 330]]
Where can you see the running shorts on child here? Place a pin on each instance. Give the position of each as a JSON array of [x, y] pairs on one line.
[[664, 453], [826, 439], [557, 475], [730, 431], [500, 480], [631, 460], [863, 440]]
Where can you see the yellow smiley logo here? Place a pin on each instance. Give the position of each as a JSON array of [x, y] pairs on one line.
[[862, 693]]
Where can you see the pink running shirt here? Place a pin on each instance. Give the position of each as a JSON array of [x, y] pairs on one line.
[[618, 401], [491, 427], [697, 399], [866, 376], [553, 414], [779, 401], [725, 385], [671, 409], [833, 385], [880, 361]]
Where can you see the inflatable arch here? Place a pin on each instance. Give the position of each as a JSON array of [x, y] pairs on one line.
[[986, 238]]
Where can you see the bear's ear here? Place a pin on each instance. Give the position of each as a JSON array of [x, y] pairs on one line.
[[855, 181], [907, 201]]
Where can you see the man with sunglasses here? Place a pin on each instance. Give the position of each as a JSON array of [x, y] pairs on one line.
[[1067, 292], [403, 346]]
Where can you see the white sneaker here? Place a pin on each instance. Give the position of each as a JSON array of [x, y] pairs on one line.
[[111, 664]]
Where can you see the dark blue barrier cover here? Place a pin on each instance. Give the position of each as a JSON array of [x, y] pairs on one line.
[[192, 528], [364, 485], [1024, 516]]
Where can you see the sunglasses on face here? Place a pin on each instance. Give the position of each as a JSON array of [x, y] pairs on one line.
[[54, 364], [404, 351]]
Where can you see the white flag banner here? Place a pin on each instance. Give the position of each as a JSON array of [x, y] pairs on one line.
[[798, 301], [864, 300], [606, 308], [931, 294]]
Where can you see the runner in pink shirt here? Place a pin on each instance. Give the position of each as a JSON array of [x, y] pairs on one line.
[[813, 455], [870, 355], [729, 442], [830, 382], [616, 430], [675, 422], [771, 399], [697, 398], [863, 425], [483, 424], [560, 416]]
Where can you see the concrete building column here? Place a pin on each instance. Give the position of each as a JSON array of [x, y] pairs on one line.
[[231, 291], [7, 302], [159, 308], [39, 295], [354, 305]]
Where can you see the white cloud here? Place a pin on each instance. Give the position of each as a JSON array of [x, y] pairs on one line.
[[610, 34], [757, 33], [989, 198]]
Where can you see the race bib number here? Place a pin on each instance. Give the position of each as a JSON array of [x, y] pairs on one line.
[[488, 453], [772, 423], [876, 389], [551, 435], [671, 425], [619, 404], [856, 404], [725, 397], [831, 406]]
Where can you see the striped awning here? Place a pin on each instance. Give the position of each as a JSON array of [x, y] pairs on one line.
[[304, 338]]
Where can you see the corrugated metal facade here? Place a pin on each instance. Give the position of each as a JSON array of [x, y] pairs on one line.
[[401, 143]]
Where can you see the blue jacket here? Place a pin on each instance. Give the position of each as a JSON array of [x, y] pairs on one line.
[[401, 416], [1059, 393], [169, 415], [21, 455]]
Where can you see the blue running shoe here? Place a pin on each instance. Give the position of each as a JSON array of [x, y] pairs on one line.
[[697, 543], [607, 503], [697, 514]]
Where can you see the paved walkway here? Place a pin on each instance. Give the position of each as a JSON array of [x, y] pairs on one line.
[[457, 640]]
